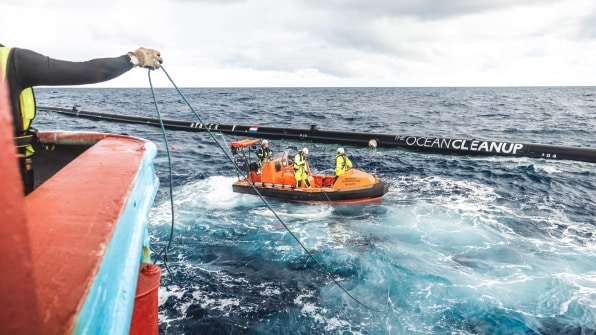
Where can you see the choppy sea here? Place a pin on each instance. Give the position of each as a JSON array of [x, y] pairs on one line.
[[459, 245]]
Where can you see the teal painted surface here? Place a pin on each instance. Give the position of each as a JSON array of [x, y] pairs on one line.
[[109, 304]]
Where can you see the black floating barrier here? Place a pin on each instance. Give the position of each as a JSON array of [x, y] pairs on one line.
[[438, 145]]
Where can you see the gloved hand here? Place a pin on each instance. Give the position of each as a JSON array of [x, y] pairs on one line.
[[147, 58]]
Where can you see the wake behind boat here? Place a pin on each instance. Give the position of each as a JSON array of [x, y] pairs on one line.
[[276, 179]]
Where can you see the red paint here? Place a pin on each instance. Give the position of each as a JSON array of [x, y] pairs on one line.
[[20, 313], [53, 241], [70, 138], [72, 217], [144, 316]]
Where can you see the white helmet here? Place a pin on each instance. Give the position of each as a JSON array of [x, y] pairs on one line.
[[264, 142], [340, 150], [305, 151]]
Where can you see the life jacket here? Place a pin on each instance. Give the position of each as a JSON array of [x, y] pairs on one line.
[[342, 165], [299, 163], [26, 108], [263, 155]]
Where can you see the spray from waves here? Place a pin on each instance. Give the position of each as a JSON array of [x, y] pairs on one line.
[[520, 264], [479, 253], [206, 205], [235, 256], [213, 194], [447, 249], [295, 212], [494, 197]]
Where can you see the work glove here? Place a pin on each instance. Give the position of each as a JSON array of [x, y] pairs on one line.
[[147, 58]]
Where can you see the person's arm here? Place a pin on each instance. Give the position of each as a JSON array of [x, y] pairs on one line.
[[28, 68]]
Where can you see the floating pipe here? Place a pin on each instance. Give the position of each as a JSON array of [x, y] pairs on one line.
[[438, 145]]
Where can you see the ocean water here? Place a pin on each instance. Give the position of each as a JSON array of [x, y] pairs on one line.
[[459, 245]]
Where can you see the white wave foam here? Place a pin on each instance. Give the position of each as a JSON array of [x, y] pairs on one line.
[[212, 194]]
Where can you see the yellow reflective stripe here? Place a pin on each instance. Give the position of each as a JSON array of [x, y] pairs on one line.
[[4, 51], [27, 107], [26, 99]]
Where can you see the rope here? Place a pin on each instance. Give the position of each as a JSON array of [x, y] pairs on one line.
[[164, 251], [327, 273]]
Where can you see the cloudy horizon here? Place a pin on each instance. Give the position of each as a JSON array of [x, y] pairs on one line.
[[362, 43]]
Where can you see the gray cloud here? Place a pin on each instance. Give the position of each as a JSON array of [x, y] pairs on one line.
[[587, 30], [420, 9]]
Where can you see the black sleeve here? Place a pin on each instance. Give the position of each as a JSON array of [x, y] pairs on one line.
[[28, 68]]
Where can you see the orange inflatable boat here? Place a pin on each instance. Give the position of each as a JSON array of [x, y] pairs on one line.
[[276, 179]]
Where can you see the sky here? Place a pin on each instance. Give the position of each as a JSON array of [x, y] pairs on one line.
[[320, 43]]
